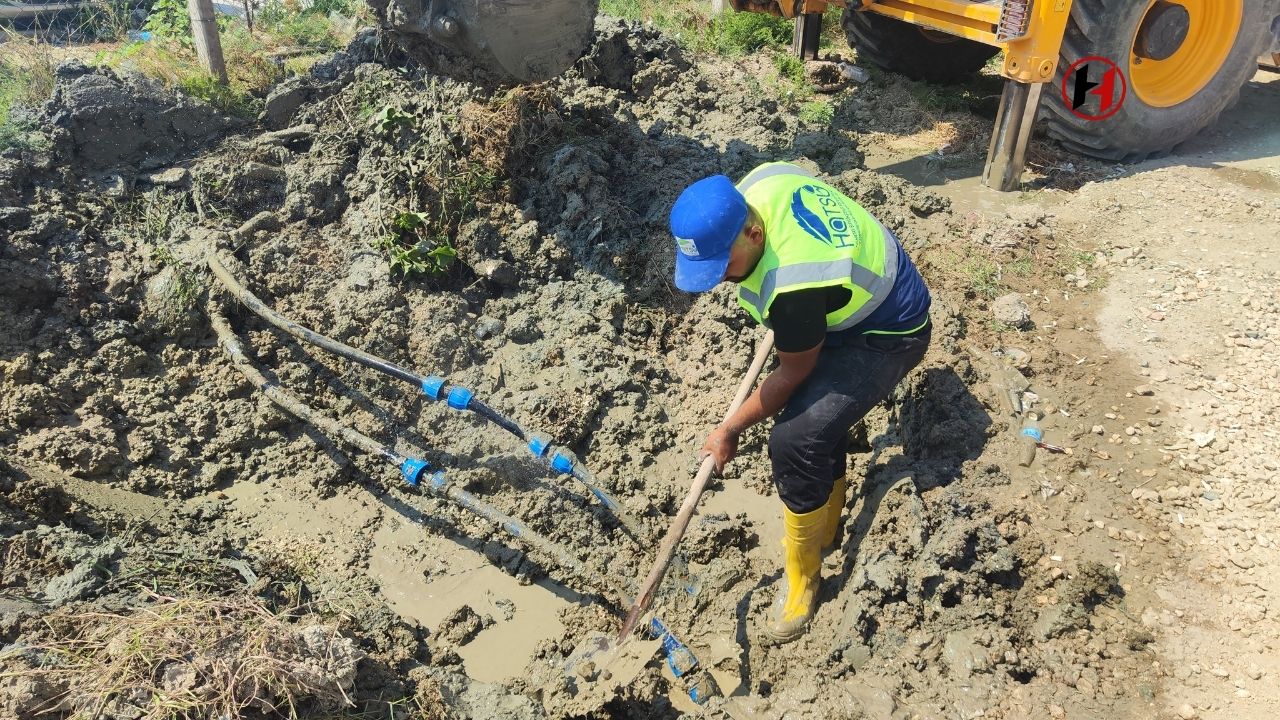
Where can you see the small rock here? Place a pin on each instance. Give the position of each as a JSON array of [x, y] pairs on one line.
[[1012, 310], [499, 271], [1144, 390], [172, 177], [1186, 712]]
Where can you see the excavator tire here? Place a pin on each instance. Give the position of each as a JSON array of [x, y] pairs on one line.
[[1159, 112], [916, 52]]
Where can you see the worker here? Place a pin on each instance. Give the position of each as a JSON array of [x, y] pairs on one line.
[[850, 317]]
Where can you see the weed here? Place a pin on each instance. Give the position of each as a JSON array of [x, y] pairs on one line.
[[1021, 267], [411, 250], [730, 33], [984, 277], [26, 81], [192, 656], [185, 288], [309, 27], [790, 67], [739, 33], [817, 112], [227, 98], [1082, 257], [389, 119], [169, 20], [104, 20]]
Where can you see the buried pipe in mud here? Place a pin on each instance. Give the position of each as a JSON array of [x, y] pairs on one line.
[[699, 685], [412, 469], [436, 388]]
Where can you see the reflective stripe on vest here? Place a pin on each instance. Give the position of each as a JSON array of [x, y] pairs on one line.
[[829, 271], [877, 286], [769, 170]]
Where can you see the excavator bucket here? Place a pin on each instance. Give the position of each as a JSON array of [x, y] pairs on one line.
[[521, 40]]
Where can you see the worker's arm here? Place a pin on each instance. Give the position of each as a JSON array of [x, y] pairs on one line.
[[800, 327], [766, 401]]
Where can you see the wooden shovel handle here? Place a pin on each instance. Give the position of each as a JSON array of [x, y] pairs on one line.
[[667, 550]]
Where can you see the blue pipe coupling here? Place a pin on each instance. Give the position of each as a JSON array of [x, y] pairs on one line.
[[432, 386], [541, 447], [459, 398], [413, 469]]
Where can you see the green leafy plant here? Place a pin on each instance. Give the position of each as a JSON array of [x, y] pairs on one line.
[[169, 19], [412, 250], [390, 118], [817, 112]]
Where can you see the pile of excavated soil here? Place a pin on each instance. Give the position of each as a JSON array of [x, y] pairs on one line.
[[558, 311]]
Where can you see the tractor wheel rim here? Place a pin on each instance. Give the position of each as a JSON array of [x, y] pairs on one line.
[[1214, 25]]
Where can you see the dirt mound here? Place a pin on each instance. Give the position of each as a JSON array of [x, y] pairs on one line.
[[99, 121]]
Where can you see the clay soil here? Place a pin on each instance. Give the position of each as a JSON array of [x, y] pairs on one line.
[[142, 477]]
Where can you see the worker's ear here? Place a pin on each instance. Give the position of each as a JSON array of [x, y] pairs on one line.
[[755, 234]]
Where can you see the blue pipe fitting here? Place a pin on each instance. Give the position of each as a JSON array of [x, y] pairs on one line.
[[412, 469], [432, 386], [562, 464], [679, 658], [459, 398], [538, 445]]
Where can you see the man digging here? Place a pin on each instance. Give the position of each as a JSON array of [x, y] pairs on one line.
[[850, 316]]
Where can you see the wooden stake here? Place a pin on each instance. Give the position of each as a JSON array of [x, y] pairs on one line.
[[204, 28], [667, 550]]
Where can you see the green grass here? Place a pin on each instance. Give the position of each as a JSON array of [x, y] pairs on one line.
[[1022, 267], [790, 67], [229, 99], [817, 112], [26, 80], [984, 277], [690, 23]]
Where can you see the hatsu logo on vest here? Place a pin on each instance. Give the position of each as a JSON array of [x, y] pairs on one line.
[[820, 213]]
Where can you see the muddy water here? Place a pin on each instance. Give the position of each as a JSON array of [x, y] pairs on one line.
[[422, 576], [427, 578]]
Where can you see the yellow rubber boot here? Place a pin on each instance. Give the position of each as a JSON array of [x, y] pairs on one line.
[[802, 543], [834, 507]]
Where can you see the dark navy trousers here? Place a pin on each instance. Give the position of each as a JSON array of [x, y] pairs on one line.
[[808, 446]]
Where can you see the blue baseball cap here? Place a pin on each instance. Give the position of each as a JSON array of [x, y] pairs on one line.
[[705, 221]]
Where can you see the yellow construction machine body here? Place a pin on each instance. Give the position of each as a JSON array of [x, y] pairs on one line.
[[1181, 62]]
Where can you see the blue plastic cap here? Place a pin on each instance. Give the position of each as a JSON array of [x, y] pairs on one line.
[[412, 469], [561, 464], [459, 398], [432, 386], [705, 221], [538, 445], [1033, 433]]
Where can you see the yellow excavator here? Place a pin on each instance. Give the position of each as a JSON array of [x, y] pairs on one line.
[[1128, 78]]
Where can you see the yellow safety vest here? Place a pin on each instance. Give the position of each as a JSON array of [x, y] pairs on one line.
[[815, 237]]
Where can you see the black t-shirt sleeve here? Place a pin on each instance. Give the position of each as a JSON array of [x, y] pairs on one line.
[[799, 319]]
